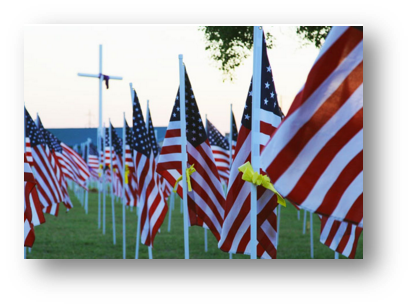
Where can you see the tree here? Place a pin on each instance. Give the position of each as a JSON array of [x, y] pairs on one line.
[[230, 46]]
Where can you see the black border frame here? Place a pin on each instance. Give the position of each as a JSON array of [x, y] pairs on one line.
[[382, 186]]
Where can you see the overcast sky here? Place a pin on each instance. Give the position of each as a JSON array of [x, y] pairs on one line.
[[147, 56]]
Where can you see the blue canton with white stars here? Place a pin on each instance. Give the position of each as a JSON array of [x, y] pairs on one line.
[[268, 94], [234, 128], [152, 136], [116, 141], [215, 137], [140, 140], [55, 142], [128, 134], [195, 131], [32, 132]]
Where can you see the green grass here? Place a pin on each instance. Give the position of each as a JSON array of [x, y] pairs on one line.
[[75, 235]]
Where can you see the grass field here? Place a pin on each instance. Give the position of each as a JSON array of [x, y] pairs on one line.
[[75, 235]]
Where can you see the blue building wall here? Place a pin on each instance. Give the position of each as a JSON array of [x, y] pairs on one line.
[[72, 136]]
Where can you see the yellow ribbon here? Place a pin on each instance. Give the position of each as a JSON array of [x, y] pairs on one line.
[[99, 170], [189, 171], [254, 177], [126, 174]]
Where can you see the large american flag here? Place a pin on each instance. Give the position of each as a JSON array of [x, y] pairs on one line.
[[44, 165], [235, 237], [31, 202], [221, 151], [152, 206], [206, 201], [315, 159]]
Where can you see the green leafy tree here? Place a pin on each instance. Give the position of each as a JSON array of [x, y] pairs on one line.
[[230, 46]]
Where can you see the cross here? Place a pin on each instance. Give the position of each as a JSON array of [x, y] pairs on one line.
[[101, 77]]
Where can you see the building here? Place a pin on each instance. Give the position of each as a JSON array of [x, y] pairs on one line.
[[73, 136]]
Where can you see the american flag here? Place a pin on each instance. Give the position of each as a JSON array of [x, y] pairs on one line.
[[29, 188], [235, 237], [132, 179], [92, 161], [56, 151], [221, 151], [44, 165], [151, 203], [77, 164], [35, 205], [206, 201], [234, 134], [117, 144], [341, 237], [315, 159], [161, 182]]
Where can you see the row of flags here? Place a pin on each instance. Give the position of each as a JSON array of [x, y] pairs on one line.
[[48, 164], [313, 157]]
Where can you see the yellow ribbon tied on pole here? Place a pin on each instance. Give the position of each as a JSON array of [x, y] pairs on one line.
[[126, 173], [100, 170], [189, 171], [255, 178]]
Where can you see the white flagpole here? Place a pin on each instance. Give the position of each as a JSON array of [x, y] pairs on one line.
[[305, 222], [138, 207], [205, 229], [124, 185], [336, 255], [278, 223], [231, 148], [99, 181], [104, 186], [311, 235], [150, 252], [171, 207], [88, 180], [24, 184], [112, 183], [100, 117], [298, 214], [184, 153], [255, 133]]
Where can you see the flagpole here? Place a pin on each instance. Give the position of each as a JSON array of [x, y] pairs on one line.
[[305, 221], [137, 209], [24, 248], [104, 189], [205, 229], [231, 150], [100, 173], [171, 206], [112, 183], [150, 251], [184, 153], [255, 133], [311, 235], [87, 181], [278, 222], [124, 185]]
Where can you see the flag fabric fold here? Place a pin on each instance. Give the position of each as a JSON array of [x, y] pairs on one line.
[[315, 158]]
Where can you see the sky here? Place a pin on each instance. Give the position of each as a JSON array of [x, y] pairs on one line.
[[147, 56]]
